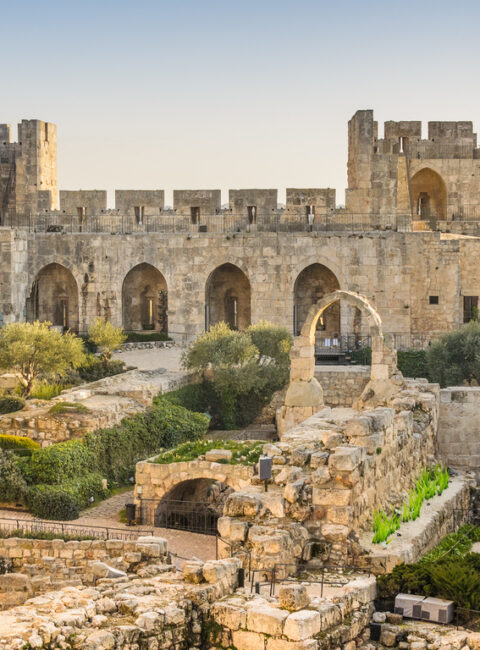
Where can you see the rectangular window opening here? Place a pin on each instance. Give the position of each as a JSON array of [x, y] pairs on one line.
[[139, 212], [470, 308], [252, 213], [195, 214], [433, 300]]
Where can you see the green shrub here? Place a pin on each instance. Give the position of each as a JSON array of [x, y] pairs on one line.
[[95, 369], [66, 499], [411, 363], [243, 453], [117, 449], [197, 397], [362, 356], [13, 487], [67, 407], [60, 462], [137, 337], [19, 444], [10, 404], [44, 534], [52, 502], [455, 356], [48, 391]]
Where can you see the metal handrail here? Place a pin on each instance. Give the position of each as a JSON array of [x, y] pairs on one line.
[[98, 532]]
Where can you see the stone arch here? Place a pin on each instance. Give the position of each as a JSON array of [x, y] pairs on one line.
[[429, 194], [311, 284], [54, 297], [228, 297], [145, 299], [305, 395]]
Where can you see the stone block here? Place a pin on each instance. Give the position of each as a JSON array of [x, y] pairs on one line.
[[282, 644], [302, 625], [193, 571], [293, 597], [346, 459], [213, 571], [102, 570], [269, 620], [244, 640], [229, 616], [331, 497], [215, 455]]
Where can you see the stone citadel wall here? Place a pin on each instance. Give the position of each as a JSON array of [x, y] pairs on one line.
[[397, 272]]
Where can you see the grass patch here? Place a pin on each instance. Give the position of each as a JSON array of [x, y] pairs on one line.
[[430, 483], [243, 453], [48, 391], [44, 534], [67, 407]]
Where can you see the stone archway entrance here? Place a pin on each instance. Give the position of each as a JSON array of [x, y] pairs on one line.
[[145, 299], [429, 195], [228, 298], [305, 395], [54, 298]]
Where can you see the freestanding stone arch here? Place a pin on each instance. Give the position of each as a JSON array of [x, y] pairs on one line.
[[305, 395]]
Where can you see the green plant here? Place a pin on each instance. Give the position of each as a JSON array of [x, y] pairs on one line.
[[10, 404], [47, 390], [67, 407], [411, 363], [243, 452], [66, 499], [13, 487], [19, 444], [430, 483], [95, 369], [35, 350], [106, 336], [117, 449], [44, 534], [138, 337], [59, 463], [455, 356]]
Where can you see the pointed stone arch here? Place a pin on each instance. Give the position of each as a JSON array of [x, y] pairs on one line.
[[305, 395], [54, 297], [228, 297], [429, 194], [145, 299]]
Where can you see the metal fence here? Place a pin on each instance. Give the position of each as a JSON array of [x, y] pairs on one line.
[[350, 342], [192, 516], [224, 222], [10, 526]]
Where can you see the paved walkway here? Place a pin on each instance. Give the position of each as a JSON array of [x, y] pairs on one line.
[[152, 359]]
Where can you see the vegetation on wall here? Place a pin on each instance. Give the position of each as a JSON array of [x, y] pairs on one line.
[[431, 482], [411, 363], [449, 571], [240, 371], [243, 452]]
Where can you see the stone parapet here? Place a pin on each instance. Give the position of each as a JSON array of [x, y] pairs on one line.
[[459, 428]]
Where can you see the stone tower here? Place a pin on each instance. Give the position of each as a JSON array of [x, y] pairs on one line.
[[28, 171]]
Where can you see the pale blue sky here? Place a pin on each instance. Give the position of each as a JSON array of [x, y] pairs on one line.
[[229, 93]]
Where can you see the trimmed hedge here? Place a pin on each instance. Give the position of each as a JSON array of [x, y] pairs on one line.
[[118, 449], [10, 404], [13, 487], [137, 337], [95, 369], [67, 407], [64, 501], [19, 444], [411, 363], [58, 463]]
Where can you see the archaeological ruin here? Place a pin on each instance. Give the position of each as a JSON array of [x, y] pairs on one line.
[[296, 563]]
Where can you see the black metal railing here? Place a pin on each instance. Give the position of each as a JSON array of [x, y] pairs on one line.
[[192, 516], [31, 526]]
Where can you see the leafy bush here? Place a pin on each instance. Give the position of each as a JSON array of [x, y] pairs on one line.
[[65, 500], [13, 487], [18, 444], [67, 407], [243, 453], [106, 336], [10, 404], [117, 449], [199, 397], [61, 462], [48, 391], [455, 356], [411, 363], [52, 502], [243, 369], [95, 369], [136, 337]]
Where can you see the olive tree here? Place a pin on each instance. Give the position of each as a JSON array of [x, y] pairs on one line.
[[107, 337], [455, 356], [37, 351]]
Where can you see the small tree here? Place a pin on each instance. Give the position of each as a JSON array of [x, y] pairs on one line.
[[34, 351], [107, 337], [455, 356]]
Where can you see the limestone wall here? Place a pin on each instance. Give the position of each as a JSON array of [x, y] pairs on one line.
[[342, 385], [108, 401], [397, 272], [459, 428]]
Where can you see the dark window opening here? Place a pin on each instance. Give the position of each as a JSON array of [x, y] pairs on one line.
[[433, 300], [310, 212], [195, 214], [46, 131], [139, 212], [470, 308], [252, 213], [402, 144]]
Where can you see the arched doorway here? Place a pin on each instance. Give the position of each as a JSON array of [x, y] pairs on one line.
[[54, 297], [228, 298], [311, 285], [194, 505], [145, 299], [429, 195]]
